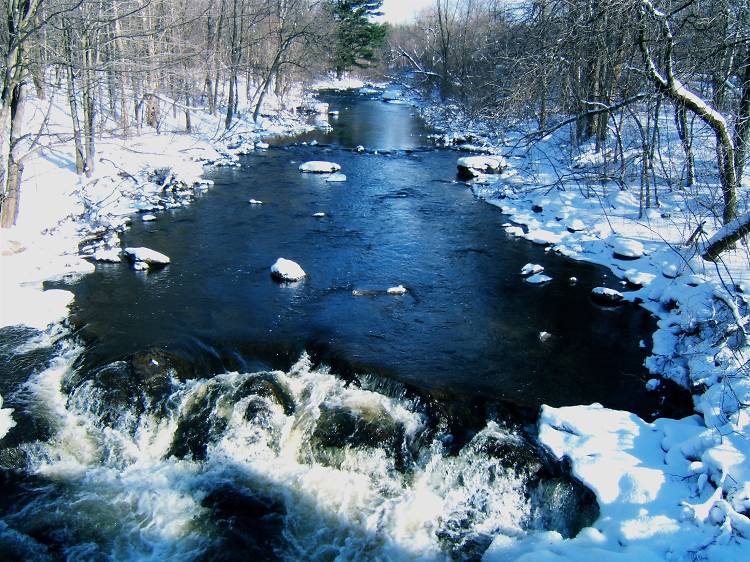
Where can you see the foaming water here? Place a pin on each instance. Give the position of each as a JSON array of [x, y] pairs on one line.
[[296, 465]]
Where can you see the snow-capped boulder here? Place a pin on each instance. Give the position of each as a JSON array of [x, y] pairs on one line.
[[319, 215], [319, 167], [531, 269], [287, 270], [143, 258], [398, 290], [606, 296], [359, 148], [262, 145], [255, 202], [148, 217], [625, 248], [473, 166], [336, 178], [639, 278], [538, 279], [576, 225]]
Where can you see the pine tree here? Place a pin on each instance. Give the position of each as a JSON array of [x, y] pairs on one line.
[[357, 37]]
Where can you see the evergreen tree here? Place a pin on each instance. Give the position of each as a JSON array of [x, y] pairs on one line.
[[357, 37]]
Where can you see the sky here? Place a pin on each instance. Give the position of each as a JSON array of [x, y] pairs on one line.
[[402, 11]]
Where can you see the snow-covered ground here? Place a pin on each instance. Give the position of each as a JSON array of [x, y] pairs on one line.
[[671, 489]]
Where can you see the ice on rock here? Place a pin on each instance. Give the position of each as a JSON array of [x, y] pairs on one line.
[[319, 167], [473, 166], [606, 296], [319, 215], [287, 270], [145, 257], [336, 178], [627, 248], [531, 269], [148, 217], [398, 290], [538, 279], [359, 148], [255, 202]]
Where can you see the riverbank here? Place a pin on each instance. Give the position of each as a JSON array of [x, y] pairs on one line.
[[68, 222], [672, 489]]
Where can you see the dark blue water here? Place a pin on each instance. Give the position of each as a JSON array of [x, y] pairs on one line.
[[468, 327]]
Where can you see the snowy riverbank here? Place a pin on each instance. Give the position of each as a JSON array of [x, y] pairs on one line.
[[68, 222], [672, 489]]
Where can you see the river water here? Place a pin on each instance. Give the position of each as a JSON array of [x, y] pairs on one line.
[[206, 412]]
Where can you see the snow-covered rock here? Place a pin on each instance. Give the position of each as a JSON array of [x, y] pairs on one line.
[[398, 290], [107, 255], [287, 270], [544, 337], [319, 215], [336, 178], [606, 296], [627, 248], [576, 225], [640, 278], [148, 217], [538, 279], [319, 167], [531, 269], [473, 166], [255, 202], [359, 148], [146, 256], [262, 145]]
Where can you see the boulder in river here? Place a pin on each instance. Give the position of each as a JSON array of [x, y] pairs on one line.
[[472, 166], [287, 270], [336, 178], [319, 167], [144, 258], [538, 279], [606, 296], [399, 290], [531, 269]]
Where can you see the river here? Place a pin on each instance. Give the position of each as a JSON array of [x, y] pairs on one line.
[[206, 412]]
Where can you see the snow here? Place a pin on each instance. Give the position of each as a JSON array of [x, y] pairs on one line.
[[319, 215], [606, 295], [398, 290], [146, 255], [531, 269], [287, 270], [336, 178], [538, 279], [319, 167], [671, 489], [626, 248], [477, 165], [255, 202], [148, 217]]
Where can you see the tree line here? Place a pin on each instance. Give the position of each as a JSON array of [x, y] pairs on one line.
[[122, 64], [603, 66]]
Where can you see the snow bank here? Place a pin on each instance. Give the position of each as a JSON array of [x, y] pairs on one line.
[[662, 490], [674, 489]]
